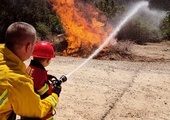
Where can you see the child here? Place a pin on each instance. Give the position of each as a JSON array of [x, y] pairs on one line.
[[42, 55]]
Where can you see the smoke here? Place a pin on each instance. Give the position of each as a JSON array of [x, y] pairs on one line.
[[145, 26], [154, 17]]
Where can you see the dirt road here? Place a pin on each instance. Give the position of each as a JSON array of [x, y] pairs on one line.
[[113, 90]]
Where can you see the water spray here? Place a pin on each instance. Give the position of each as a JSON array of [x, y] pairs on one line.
[[130, 14]]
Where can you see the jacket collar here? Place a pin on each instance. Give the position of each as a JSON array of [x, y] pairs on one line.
[[37, 64], [7, 55]]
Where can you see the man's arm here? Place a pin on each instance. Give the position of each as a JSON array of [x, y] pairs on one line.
[[26, 102]]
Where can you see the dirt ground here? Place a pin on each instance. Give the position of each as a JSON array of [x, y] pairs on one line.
[[115, 90], [154, 51]]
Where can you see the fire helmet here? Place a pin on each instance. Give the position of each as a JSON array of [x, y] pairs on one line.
[[43, 49]]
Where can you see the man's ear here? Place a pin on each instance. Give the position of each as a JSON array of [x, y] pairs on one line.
[[28, 47]]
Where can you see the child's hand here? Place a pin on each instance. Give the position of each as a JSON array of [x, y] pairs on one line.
[[57, 90]]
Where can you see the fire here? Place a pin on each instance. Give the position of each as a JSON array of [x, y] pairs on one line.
[[86, 28]]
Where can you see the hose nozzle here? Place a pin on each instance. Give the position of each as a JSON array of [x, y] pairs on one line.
[[63, 78], [57, 82]]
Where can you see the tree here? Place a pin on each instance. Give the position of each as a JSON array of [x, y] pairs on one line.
[[39, 13]]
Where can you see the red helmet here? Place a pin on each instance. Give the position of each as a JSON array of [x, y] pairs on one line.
[[43, 49]]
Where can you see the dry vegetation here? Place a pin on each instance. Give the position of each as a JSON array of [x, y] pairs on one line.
[[150, 52], [125, 51]]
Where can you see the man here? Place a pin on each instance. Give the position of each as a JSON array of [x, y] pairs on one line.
[[17, 94]]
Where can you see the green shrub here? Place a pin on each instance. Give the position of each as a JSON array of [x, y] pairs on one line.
[[42, 30], [165, 27]]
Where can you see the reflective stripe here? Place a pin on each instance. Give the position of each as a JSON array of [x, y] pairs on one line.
[[54, 102], [3, 98], [44, 89]]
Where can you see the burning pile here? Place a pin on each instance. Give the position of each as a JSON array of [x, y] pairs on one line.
[[86, 28]]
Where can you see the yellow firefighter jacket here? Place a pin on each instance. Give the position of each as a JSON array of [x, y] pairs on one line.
[[16, 89]]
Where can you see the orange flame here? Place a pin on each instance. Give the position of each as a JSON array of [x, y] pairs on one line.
[[86, 28]]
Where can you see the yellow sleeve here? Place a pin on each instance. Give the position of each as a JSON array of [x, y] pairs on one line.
[[26, 102]]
